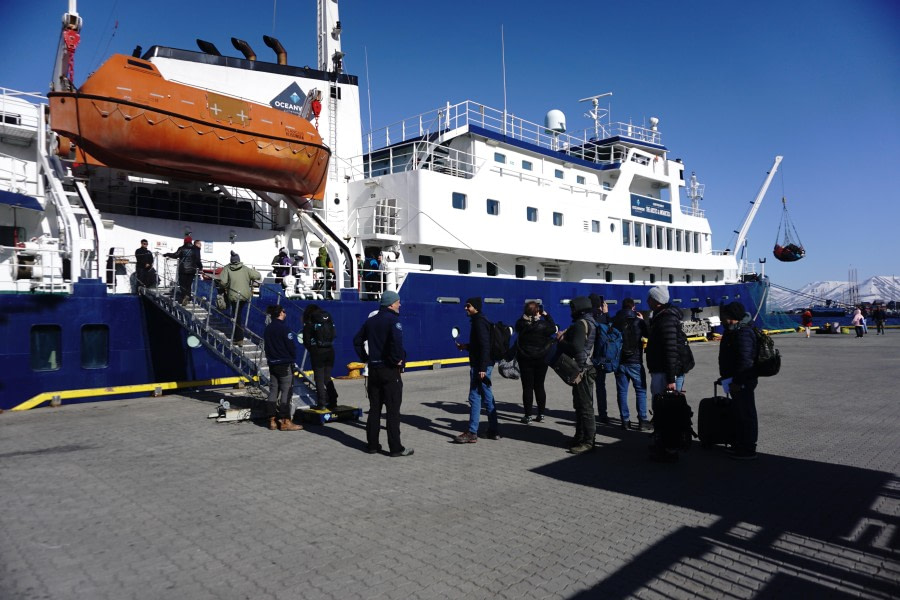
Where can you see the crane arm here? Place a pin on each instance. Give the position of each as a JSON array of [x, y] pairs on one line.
[[745, 227]]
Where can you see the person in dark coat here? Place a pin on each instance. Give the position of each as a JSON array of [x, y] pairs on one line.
[[880, 316], [188, 256], [737, 352], [143, 256], [321, 357], [577, 341], [281, 353], [600, 313], [663, 360], [535, 330], [480, 368], [382, 333], [631, 363]]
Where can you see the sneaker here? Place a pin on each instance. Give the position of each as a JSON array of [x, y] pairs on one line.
[[466, 438], [404, 452], [581, 448], [626, 424], [526, 419], [644, 425], [492, 436], [603, 419], [539, 419], [743, 455]]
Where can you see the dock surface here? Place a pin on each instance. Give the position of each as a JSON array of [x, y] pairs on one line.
[[147, 498]]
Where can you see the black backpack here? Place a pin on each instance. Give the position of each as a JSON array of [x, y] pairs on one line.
[[767, 361], [323, 331], [631, 338], [500, 336], [685, 355]]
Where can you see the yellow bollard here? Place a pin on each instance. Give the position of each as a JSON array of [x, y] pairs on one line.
[[354, 370]]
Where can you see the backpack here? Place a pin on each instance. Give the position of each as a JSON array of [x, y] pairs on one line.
[[323, 331], [499, 340], [685, 355], [631, 339], [767, 361], [607, 348]]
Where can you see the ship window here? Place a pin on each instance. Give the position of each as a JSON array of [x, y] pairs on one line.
[[493, 207], [660, 238], [606, 186], [558, 219], [459, 201], [696, 243], [595, 226], [532, 214], [527, 165], [687, 278], [608, 276], [679, 240], [10, 118], [10, 236], [652, 277], [464, 266], [579, 179], [500, 157], [638, 234], [671, 278], [46, 348], [426, 260], [669, 243], [520, 271], [558, 173], [631, 278], [703, 279], [626, 233], [491, 269], [335, 92], [649, 229], [687, 241], [94, 346]]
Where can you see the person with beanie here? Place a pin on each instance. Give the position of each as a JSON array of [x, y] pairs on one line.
[[480, 368], [663, 356], [189, 263], [236, 279], [379, 343], [281, 353], [325, 270], [737, 353], [577, 341], [600, 313]]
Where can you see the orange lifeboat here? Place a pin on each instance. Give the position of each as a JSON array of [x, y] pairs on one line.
[[127, 116]]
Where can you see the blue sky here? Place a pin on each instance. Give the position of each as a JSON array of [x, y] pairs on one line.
[[733, 84]]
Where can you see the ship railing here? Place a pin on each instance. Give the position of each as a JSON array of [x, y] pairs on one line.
[[12, 177], [454, 116], [378, 221], [416, 155], [691, 211], [35, 266]]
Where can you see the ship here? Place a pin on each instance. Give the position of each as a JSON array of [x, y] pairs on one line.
[[462, 200]]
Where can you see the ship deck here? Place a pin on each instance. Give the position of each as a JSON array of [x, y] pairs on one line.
[[147, 498]]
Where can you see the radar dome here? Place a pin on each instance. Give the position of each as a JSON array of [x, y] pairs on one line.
[[555, 121]]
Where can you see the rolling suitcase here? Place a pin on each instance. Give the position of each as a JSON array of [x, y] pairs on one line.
[[715, 419], [672, 425]]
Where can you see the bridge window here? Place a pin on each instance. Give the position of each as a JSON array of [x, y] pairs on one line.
[[696, 243], [531, 214], [459, 201], [527, 165], [94, 346], [687, 241], [46, 348], [638, 234], [679, 240], [579, 179], [558, 219], [626, 233], [660, 238], [500, 157], [493, 207], [558, 173], [649, 229], [464, 266], [670, 245]]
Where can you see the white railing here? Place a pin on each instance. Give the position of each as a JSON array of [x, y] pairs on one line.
[[409, 157], [37, 265], [692, 212], [467, 113], [382, 218]]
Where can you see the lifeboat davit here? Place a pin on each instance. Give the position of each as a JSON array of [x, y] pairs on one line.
[[128, 116]]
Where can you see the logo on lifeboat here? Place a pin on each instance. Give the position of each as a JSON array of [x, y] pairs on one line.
[[290, 100]]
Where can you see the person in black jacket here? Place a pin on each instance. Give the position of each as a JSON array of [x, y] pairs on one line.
[[281, 353], [321, 355], [385, 357], [631, 363], [600, 313], [535, 330], [189, 262], [480, 367], [577, 341], [738, 376], [663, 360]]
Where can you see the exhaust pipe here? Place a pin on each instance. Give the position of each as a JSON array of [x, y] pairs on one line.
[[208, 47], [275, 45], [244, 48]]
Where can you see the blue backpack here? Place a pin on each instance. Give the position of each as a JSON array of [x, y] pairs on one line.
[[607, 348]]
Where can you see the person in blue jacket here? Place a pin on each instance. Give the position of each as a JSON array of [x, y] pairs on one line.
[[281, 352], [385, 357], [736, 358]]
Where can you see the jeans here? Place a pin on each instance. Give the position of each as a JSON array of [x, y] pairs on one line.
[[583, 403], [478, 393], [633, 372], [385, 388], [601, 393], [533, 373], [658, 383], [280, 387]]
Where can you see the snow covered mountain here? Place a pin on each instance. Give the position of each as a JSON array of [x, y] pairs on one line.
[[882, 288]]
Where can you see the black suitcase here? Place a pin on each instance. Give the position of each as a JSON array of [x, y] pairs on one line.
[[715, 419], [672, 424]]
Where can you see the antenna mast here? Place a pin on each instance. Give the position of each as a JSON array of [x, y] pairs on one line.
[[596, 113]]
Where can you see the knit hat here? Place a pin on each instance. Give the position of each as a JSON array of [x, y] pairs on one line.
[[580, 304], [660, 294], [187, 239], [734, 311], [389, 298], [475, 302], [235, 258]]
